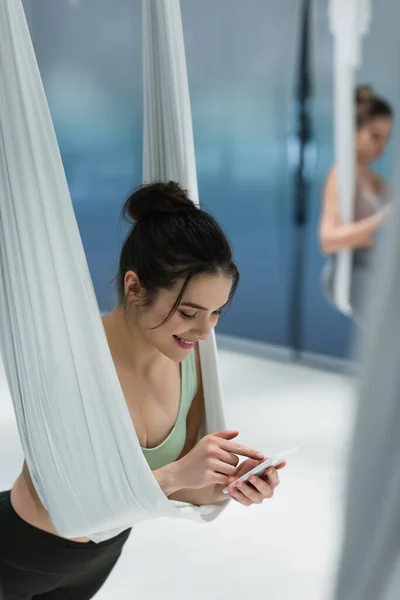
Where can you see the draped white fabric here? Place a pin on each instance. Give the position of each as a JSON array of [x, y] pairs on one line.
[[349, 20], [369, 568], [76, 431], [371, 553], [168, 149]]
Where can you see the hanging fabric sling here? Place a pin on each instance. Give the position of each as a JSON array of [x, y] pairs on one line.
[[349, 22], [77, 435], [369, 566]]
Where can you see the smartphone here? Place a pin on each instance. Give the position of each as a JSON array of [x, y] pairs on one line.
[[272, 461]]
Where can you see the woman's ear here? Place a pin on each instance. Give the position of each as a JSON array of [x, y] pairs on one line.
[[132, 287]]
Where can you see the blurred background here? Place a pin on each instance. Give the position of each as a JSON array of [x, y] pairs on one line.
[[260, 76], [247, 64]]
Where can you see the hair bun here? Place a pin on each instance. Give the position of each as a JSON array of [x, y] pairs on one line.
[[158, 198], [364, 94]]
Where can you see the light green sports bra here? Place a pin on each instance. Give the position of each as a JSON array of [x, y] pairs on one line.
[[169, 450]]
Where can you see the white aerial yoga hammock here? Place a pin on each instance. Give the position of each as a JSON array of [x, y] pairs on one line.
[[77, 435], [370, 562], [349, 22]]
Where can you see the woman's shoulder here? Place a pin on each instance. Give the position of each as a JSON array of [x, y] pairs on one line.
[[331, 177], [376, 181], [329, 190], [331, 172]]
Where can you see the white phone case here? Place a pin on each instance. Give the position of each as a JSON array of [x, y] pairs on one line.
[[272, 461]]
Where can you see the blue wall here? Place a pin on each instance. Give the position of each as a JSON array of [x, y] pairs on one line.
[[90, 61], [241, 67]]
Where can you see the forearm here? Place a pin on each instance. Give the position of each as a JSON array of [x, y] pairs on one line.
[[202, 497], [351, 235], [168, 481]]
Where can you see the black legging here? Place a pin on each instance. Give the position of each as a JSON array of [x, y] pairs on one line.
[[35, 564]]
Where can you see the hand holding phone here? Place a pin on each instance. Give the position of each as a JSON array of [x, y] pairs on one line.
[[272, 461]]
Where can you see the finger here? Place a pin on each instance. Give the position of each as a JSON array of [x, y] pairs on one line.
[[239, 497], [271, 477], [227, 457], [244, 468], [262, 487], [219, 478], [248, 464], [226, 434], [282, 465], [223, 467], [250, 492], [241, 450]]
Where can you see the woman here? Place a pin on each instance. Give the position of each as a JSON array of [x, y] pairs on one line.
[[175, 277], [374, 121]]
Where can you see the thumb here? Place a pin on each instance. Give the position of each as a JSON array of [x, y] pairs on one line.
[[226, 434]]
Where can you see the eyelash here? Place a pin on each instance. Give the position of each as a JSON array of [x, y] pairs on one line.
[[186, 316]]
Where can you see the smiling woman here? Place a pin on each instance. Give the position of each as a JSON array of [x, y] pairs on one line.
[[176, 267], [187, 342], [176, 274]]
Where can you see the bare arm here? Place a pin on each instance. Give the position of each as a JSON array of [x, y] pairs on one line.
[[335, 235], [165, 476], [203, 497]]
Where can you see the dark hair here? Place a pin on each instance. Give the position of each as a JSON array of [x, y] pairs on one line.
[[369, 106], [171, 239]]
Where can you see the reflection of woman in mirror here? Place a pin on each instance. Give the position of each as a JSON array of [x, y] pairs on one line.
[[374, 119]]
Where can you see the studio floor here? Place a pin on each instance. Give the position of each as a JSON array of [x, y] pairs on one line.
[[285, 549]]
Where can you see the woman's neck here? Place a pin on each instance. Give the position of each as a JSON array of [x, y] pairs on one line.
[[362, 167], [127, 344]]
